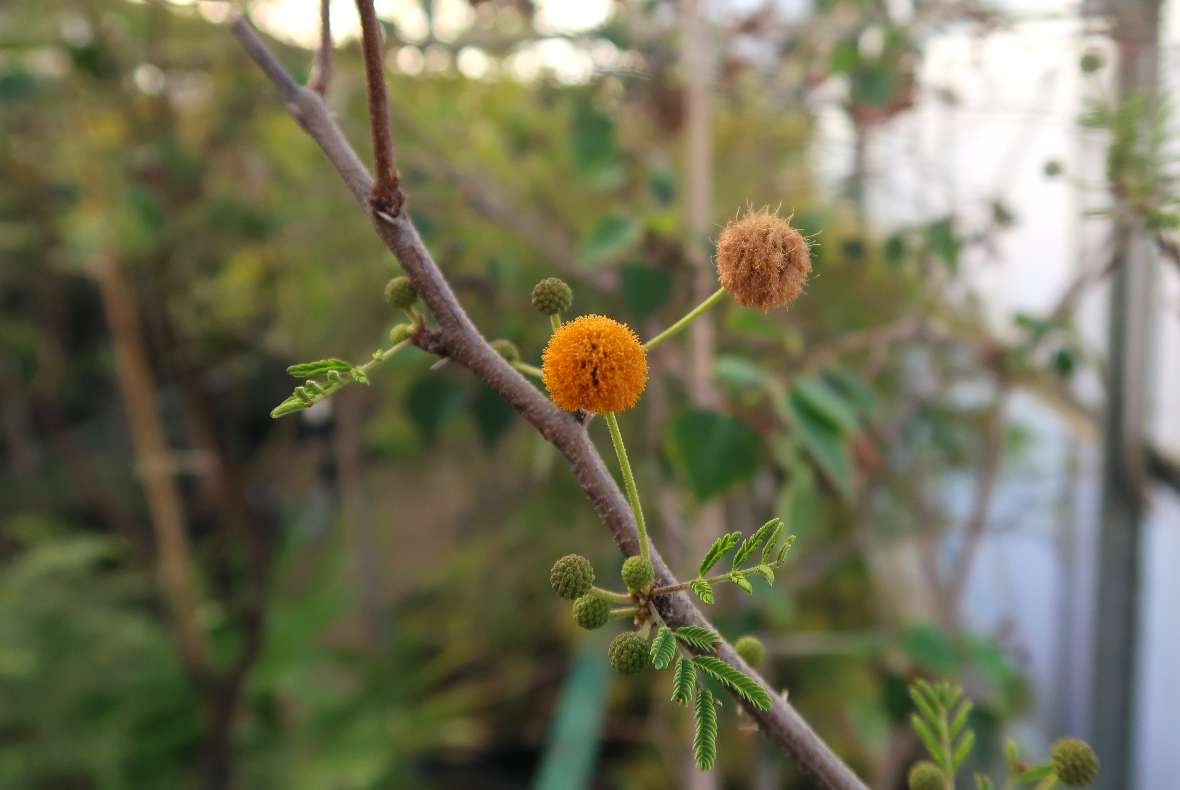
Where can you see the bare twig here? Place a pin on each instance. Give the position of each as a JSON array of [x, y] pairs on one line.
[[386, 196], [458, 339], [321, 67]]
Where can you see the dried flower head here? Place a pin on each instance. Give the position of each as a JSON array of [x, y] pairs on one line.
[[596, 364], [552, 296], [762, 260], [1074, 762]]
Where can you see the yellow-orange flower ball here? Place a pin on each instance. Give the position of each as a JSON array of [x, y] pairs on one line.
[[762, 260], [595, 364]]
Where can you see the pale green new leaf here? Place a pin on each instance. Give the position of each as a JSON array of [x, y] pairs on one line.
[[786, 547], [702, 589], [721, 546], [982, 782], [684, 680], [959, 721], [772, 540], [963, 749], [741, 581], [304, 370], [1035, 773], [928, 739], [698, 637], [663, 648], [704, 742], [766, 572], [737, 680], [751, 544]]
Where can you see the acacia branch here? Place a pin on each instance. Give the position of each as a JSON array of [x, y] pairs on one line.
[[458, 340], [321, 67], [386, 195]]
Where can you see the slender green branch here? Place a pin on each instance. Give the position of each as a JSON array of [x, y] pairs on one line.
[[528, 370], [689, 317], [719, 578], [628, 612], [555, 321], [616, 438], [611, 595]]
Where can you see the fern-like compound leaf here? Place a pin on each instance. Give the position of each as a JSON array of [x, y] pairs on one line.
[[663, 648], [684, 680], [743, 684], [704, 742], [963, 749], [698, 637], [741, 581], [771, 540], [721, 546], [303, 370], [928, 739], [702, 589], [752, 543]]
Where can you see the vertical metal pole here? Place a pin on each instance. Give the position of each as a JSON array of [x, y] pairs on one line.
[[1124, 480]]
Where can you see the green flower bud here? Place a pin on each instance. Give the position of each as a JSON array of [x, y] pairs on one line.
[[750, 648], [925, 775], [637, 573], [591, 612], [552, 296], [572, 576], [507, 349], [400, 332], [1092, 61], [400, 293], [1053, 168], [1074, 762], [628, 653]]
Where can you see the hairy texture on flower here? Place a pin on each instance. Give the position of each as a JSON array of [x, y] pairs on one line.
[[595, 364], [751, 650], [628, 653], [591, 612], [400, 293], [507, 349], [1074, 762], [637, 573], [552, 296], [572, 576], [762, 260], [926, 776]]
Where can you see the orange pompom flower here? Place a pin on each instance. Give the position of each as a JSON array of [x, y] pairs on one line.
[[762, 260], [595, 364]]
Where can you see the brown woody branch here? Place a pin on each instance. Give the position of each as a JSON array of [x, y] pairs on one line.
[[458, 340], [321, 67], [386, 196]]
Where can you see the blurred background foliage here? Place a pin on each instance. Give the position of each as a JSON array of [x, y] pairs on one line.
[[372, 575]]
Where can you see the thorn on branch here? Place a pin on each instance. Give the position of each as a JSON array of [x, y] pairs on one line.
[[387, 197]]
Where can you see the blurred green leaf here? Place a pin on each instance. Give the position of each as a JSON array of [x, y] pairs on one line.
[[611, 236], [825, 402], [711, 451], [430, 400], [823, 442], [493, 415], [645, 289]]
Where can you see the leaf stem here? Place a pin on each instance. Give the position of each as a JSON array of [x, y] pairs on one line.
[[721, 577], [628, 612], [528, 370], [611, 595], [688, 318], [616, 437]]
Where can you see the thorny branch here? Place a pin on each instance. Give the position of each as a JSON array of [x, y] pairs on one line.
[[458, 339]]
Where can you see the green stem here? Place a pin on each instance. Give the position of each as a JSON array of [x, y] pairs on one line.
[[628, 612], [611, 595], [555, 321], [719, 578], [689, 317], [616, 438], [528, 370]]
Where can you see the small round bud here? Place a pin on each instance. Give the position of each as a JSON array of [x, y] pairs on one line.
[[400, 293], [925, 775], [637, 573], [762, 260], [1053, 168], [1074, 762], [1091, 61], [507, 349], [552, 296], [591, 612], [628, 653], [400, 332], [750, 648], [572, 576]]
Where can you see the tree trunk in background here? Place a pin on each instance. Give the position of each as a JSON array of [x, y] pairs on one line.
[[697, 57], [1135, 25]]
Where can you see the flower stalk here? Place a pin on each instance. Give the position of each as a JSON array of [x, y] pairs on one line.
[[688, 318], [616, 438]]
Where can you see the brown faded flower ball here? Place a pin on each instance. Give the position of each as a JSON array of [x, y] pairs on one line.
[[762, 260]]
